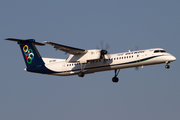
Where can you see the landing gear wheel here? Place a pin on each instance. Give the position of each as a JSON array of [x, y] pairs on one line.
[[115, 79], [167, 66], [81, 74]]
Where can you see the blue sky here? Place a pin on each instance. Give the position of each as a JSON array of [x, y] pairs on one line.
[[149, 93]]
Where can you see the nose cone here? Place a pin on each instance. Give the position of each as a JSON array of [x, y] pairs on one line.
[[168, 58], [172, 58]]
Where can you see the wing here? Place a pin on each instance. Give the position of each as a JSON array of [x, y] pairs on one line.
[[67, 49]]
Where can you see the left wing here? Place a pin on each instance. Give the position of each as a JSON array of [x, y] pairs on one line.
[[67, 49]]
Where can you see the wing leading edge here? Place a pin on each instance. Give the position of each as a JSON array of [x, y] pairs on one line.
[[67, 49]]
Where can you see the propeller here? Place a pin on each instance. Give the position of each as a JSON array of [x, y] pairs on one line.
[[103, 51]]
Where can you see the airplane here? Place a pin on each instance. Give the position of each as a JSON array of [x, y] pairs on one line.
[[81, 62]]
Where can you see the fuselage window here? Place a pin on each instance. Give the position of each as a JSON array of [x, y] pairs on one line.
[[129, 56], [124, 57]]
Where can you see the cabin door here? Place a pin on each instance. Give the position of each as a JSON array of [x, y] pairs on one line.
[[137, 58], [64, 67]]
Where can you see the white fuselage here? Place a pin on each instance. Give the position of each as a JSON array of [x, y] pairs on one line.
[[62, 67]]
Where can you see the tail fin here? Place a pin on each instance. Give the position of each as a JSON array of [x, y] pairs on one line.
[[30, 53]]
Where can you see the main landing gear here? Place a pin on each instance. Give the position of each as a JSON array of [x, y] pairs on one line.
[[81, 73], [115, 79]]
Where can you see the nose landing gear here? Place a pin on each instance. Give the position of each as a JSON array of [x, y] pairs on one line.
[[167, 65], [115, 79]]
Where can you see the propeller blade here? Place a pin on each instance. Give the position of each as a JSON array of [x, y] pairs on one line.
[[97, 47], [107, 46], [136, 68], [102, 44], [103, 51], [136, 47]]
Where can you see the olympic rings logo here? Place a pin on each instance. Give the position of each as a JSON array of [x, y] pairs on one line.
[[29, 55]]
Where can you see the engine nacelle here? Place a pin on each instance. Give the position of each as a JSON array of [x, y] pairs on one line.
[[83, 58]]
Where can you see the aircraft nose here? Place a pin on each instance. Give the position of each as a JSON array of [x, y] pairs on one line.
[[173, 58]]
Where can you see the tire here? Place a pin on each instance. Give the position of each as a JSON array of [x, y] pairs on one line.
[[81, 74], [115, 79], [167, 66]]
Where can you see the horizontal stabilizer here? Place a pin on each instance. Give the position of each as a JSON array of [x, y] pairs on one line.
[[25, 41]]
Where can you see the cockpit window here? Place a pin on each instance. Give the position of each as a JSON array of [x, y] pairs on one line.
[[159, 51]]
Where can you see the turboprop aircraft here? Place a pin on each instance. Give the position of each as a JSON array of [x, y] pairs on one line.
[[81, 62]]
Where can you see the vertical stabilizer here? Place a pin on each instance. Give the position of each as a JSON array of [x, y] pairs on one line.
[[31, 55]]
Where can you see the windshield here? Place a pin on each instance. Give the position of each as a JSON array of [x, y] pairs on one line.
[[159, 51]]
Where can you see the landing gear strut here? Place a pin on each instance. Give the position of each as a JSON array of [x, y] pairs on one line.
[[81, 74], [115, 79], [167, 65]]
